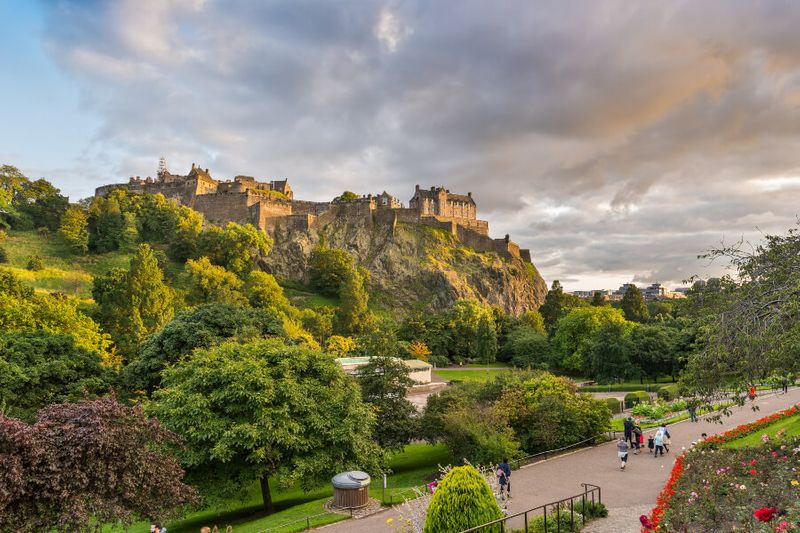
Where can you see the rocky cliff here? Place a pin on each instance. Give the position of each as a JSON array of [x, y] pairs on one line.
[[412, 264]]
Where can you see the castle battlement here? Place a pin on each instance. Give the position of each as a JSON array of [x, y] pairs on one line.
[[270, 205]]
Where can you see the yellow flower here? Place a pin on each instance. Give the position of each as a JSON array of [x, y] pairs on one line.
[[795, 482], [389, 520]]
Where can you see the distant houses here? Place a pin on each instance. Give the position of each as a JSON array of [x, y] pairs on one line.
[[656, 291]]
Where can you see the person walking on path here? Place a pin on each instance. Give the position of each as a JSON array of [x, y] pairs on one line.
[[751, 392], [659, 441], [785, 384], [504, 477], [637, 437], [665, 437], [692, 408], [627, 426], [622, 453]]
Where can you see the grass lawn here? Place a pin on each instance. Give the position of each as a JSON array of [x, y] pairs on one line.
[[63, 270], [791, 424], [496, 364], [413, 467], [469, 375]]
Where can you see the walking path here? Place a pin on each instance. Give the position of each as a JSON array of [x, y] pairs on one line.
[[626, 494]]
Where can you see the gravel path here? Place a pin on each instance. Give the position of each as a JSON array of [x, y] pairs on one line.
[[627, 494]]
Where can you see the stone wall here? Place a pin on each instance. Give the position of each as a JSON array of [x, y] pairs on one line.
[[303, 207], [226, 207]]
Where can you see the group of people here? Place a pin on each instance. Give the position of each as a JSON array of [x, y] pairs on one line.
[[633, 439]]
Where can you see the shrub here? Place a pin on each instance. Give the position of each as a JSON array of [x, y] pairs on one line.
[[35, 263], [655, 411], [669, 392], [462, 500], [614, 405], [637, 397], [3, 255], [591, 509], [557, 523]]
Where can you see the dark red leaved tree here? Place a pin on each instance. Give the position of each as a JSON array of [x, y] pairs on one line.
[[81, 465]]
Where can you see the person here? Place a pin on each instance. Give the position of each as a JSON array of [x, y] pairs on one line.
[[692, 408], [160, 528], [785, 384], [650, 442], [504, 477], [205, 529], [751, 392], [703, 436], [659, 442], [627, 426], [622, 453], [665, 436], [637, 437]]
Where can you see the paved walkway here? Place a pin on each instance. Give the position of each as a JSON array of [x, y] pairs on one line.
[[624, 493]]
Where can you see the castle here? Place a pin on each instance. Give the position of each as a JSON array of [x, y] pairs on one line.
[[271, 206]]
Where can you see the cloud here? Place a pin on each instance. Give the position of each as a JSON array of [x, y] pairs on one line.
[[612, 138]]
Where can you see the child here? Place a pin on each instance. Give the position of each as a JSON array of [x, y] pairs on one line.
[[622, 453], [659, 442], [650, 443]]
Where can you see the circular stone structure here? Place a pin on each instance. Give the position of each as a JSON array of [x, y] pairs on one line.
[[350, 490]]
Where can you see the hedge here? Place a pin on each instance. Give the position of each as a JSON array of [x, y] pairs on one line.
[[669, 393], [649, 387], [632, 398], [615, 405]]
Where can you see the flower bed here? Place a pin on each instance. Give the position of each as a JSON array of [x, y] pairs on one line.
[[710, 489]]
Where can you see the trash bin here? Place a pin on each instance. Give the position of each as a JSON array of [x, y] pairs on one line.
[[350, 490]]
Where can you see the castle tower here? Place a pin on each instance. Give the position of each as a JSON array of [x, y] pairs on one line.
[[163, 172]]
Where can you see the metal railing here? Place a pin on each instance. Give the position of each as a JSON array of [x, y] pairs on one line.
[[518, 463], [303, 524], [557, 509]]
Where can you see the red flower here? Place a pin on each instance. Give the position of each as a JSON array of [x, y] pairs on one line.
[[753, 472], [646, 523], [765, 514]]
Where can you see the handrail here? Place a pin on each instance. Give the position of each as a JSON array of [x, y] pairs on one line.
[[612, 433], [306, 519], [556, 504]]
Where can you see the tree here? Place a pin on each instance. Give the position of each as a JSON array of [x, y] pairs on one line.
[[462, 500], [573, 334], [534, 320], [598, 299], [318, 322], [11, 183], [211, 283], [340, 346], [346, 196], [552, 308], [106, 223], [236, 247], [86, 464], [478, 434], [134, 303], [384, 385], [419, 350], [328, 269], [652, 349], [527, 347], [609, 353], [74, 229], [200, 327], [263, 291], [486, 341], [633, 305], [353, 315], [252, 411], [39, 368]]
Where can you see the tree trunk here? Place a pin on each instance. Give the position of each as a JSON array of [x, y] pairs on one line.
[[266, 496]]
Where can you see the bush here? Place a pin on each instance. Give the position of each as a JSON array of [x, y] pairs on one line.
[[669, 392], [3, 255], [35, 263], [649, 387], [556, 523], [614, 404], [637, 397], [462, 500], [591, 509]]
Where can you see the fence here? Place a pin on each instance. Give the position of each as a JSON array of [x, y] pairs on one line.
[[305, 523], [527, 517], [541, 456]]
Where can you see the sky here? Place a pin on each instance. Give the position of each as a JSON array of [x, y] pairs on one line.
[[616, 140]]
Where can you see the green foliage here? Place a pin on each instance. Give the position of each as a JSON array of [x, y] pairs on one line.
[[35, 263], [527, 347], [653, 350], [250, 411], [353, 315], [462, 500], [598, 299], [263, 291], [3, 255], [478, 434], [21, 310], [486, 340], [574, 333], [211, 283], [74, 228], [318, 322], [328, 269], [633, 305], [340, 346], [346, 196], [39, 368], [29, 204], [669, 392], [134, 303], [235, 247], [200, 327], [614, 405], [533, 320], [552, 309], [558, 521], [609, 353], [384, 385], [636, 397]]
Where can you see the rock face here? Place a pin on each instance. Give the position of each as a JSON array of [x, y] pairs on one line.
[[412, 265]]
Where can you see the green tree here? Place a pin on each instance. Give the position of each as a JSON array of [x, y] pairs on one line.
[[528, 347], [598, 299], [353, 315], [486, 340], [634, 306], [329, 269], [106, 223], [462, 500], [211, 283], [254, 411], [609, 353], [534, 320], [318, 322], [478, 434], [384, 384], [134, 303], [340, 346], [236, 247], [199, 327], [39, 368], [573, 334], [263, 291], [552, 308], [346, 196], [11, 183], [653, 350], [74, 229]]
